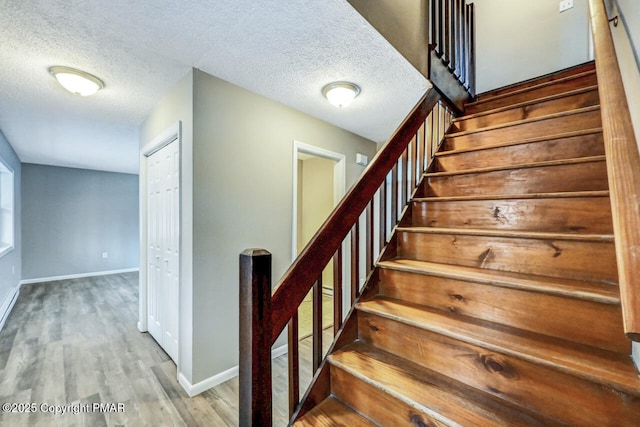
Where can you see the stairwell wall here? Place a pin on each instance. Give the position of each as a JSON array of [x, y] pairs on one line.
[[521, 39]]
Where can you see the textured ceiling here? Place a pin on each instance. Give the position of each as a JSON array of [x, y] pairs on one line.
[[286, 50]]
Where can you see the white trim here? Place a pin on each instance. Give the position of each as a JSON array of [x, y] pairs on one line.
[[7, 305], [635, 354], [204, 385], [76, 276], [162, 140]]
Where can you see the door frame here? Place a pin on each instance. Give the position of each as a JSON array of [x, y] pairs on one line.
[[339, 190], [173, 133]]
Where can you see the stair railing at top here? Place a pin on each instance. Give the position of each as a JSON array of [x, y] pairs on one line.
[[623, 168], [377, 200]]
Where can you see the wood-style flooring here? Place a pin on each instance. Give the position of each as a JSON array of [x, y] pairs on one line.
[[75, 342]]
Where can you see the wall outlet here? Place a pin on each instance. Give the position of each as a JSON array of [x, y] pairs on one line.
[[105, 255], [566, 5]]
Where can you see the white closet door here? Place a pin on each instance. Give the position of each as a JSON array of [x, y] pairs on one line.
[[163, 213]]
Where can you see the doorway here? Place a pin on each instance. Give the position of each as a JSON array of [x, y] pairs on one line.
[[319, 184], [161, 255]]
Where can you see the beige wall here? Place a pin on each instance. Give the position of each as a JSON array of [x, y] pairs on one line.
[[521, 39]]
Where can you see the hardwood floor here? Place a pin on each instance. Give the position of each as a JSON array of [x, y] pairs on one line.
[[74, 343]]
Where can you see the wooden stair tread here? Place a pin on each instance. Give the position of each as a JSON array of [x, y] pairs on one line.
[[510, 233], [567, 114], [443, 399], [528, 88], [567, 194], [525, 103], [550, 77], [332, 413], [591, 291], [560, 162], [520, 142], [599, 366]]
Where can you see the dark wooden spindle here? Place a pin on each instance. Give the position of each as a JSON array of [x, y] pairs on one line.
[[255, 338], [355, 262], [337, 291], [383, 214], [422, 161], [433, 45], [316, 299], [369, 238], [405, 179], [440, 43], [394, 194], [447, 28], [454, 36], [294, 364], [463, 44], [414, 163], [472, 50]]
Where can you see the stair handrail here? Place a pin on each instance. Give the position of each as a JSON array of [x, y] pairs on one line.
[[263, 315], [623, 166]]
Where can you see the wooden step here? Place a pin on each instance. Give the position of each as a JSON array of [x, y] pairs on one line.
[[580, 98], [584, 174], [332, 413], [573, 256], [395, 392], [566, 84], [551, 77], [512, 300], [552, 124], [566, 145], [583, 212], [542, 373]]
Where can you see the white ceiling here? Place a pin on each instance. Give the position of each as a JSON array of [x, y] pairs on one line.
[[286, 50]]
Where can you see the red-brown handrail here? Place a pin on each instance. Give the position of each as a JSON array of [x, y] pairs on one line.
[[396, 169], [623, 168], [299, 278]]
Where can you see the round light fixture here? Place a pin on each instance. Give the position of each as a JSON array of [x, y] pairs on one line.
[[341, 94], [76, 81]]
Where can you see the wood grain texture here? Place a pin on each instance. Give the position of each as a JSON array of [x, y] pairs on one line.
[[332, 413], [623, 163], [523, 376], [572, 100], [568, 145], [361, 374], [553, 124], [544, 256], [580, 214], [556, 76], [582, 80], [583, 175], [527, 309]]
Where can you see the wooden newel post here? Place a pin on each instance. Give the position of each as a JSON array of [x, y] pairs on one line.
[[255, 338]]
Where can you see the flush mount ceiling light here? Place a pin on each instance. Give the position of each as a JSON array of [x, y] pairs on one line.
[[341, 94], [76, 81]]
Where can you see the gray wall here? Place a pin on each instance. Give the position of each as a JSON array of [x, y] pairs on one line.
[[71, 216], [237, 184], [243, 195], [521, 39], [11, 263]]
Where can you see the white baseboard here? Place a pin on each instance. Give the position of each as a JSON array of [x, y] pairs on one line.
[[7, 305], [76, 276], [204, 385], [635, 354]]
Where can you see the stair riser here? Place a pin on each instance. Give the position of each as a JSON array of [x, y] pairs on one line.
[[572, 72], [557, 105], [550, 126], [537, 312], [516, 380], [380, 407], [590, 176], [580, 214], [490, 103], [553, 149], [554, 258]]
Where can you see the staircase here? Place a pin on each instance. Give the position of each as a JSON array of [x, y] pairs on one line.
[[496, 302]]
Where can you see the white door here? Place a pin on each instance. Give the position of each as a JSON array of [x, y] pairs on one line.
[[163, 244]]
